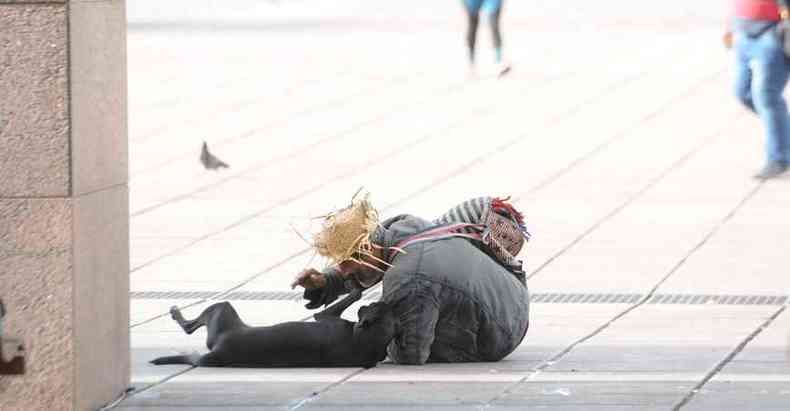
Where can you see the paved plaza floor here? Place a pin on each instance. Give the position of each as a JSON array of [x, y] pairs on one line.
[[658, 269]]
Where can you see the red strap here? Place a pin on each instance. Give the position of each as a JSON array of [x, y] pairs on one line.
[[453, 230]]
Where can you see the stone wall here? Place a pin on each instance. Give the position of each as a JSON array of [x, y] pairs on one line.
[[64, 259]]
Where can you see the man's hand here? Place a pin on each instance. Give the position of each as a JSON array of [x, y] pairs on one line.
[[727, 39], [309, 279]]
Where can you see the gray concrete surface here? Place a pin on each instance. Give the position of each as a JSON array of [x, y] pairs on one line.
[[616, 133]]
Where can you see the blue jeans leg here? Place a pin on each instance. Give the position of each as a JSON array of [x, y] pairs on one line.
[[743, 73], [761, 75]]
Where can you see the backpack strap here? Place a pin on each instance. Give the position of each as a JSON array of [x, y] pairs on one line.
[[440, 232]]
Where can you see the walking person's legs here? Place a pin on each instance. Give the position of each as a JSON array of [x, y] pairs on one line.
[[472, 8], [743, 72], [770, 70], [494, 11]]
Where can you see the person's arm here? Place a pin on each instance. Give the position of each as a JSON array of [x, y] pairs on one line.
[[784, 9], [727, 37], [321, 288]]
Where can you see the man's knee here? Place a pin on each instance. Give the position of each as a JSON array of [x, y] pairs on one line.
[[768, 98]]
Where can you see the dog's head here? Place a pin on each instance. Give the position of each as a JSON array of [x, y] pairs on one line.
[[377, 323]]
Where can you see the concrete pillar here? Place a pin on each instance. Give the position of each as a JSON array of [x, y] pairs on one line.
[[64, 221]]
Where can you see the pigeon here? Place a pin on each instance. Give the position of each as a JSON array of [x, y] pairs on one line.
[[209, 161]]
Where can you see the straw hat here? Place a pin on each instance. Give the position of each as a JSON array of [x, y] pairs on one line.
[[346, 233]]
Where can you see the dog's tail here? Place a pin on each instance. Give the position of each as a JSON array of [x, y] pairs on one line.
[[191, 359]]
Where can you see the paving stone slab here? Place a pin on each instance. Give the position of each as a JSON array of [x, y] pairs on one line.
[[598, 395], [758, 395], [225, 394], [766, 356], [411, 393]]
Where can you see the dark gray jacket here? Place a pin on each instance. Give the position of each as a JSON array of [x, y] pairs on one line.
[[455, 303]]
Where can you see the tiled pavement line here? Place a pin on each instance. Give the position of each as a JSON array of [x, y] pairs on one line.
[[443, 89], [386, 112], [272, 124], [617, 136], [479, 111], [459, 170], [574, 163], [483, 110], [628, 201], [265, 163], [247, 104], [287, 258], [463, 168], [291, 93], [280, 203], [234, 105], [174, 94], [706, 141], [135, 390], [726, 360], [455, 173], [315, 395], [332, 101], [330, 387], [559, 356], [675, 165], [182, 248], [208, 52]]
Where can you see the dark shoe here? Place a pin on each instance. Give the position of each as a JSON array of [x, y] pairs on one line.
[[771, 170]]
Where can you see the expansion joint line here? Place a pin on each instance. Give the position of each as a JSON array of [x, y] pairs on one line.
[[269, 162], [134, 391], [616, 137], [690, 395], [630, 200], [557, 357], [445, 90], [460, 170], [315, 395], [482, 111]]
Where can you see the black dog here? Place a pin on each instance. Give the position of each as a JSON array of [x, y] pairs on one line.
[[328, 342]]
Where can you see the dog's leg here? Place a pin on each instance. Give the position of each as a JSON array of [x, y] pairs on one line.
[[191, 359], [218, 318], [336, 310], [211, 359], [188, 326]]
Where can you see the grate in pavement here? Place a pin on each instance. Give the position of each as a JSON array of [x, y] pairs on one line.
[[542, 298], [718, 299]]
